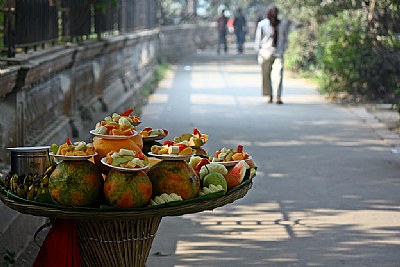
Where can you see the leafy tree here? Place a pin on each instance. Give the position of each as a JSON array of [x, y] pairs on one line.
[[353, 44]]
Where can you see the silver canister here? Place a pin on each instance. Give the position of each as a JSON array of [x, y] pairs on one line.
[[29, 160]]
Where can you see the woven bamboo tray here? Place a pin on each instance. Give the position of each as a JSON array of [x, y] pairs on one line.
[[124, 237], [116, 243], [192, 206]]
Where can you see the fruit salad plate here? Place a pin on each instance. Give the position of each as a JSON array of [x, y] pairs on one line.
[[136, 123], [230, 163], [72, 158], [169, 156], [154, 137], [104, 161], [116, 137]]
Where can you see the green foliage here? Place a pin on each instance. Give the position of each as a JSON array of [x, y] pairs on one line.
[[309, 14], [103, 5], [300, 54], [148, 88], [353, 62], [8, 259], [342, 45], [159, 72], [350, 45]]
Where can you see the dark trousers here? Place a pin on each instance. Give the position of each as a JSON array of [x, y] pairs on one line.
[[222, 41], [240, 38]]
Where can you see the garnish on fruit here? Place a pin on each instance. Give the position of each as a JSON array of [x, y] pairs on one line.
[[118, 124], [150, 132], [195, 139], [172, 148], [230, 154], [69, 148], [126, 158]]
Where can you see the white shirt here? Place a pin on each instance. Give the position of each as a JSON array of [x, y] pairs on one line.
[[265, 41]]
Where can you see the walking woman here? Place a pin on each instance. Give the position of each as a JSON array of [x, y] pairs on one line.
[[271, 42]]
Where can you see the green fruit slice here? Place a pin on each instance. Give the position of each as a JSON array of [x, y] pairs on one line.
[[215, 178]]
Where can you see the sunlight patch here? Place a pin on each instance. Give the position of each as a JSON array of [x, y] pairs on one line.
[[251, 100], [158, 98], [203, 99], [207, 80], [276, 175], [280, 143]]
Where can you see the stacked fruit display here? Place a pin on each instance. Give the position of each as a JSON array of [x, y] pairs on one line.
[[114, 171], [30, 185]]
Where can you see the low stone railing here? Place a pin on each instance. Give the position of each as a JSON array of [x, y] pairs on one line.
[[60, 92]]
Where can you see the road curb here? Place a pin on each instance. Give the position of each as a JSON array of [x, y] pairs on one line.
[[377, 125]]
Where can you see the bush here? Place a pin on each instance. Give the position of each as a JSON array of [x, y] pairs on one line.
[[342, 45], [300, 54], [353, 62]]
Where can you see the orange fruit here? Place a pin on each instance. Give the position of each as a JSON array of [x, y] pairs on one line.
[[104, 146], [138, 140]]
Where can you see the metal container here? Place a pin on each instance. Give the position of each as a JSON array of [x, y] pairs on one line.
[[29, 160]]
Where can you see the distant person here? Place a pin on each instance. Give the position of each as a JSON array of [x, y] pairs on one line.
[[222, 31], [239, 24], [271, 41]]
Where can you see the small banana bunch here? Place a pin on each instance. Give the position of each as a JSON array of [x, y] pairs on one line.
[[165, 198], [30, 185], [210, 189]]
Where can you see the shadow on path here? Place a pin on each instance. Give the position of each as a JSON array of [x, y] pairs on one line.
[[326, 193]]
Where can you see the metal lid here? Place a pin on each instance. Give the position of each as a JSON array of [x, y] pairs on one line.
[[29, 149]]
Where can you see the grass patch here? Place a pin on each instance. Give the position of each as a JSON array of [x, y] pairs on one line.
[[149, 87]]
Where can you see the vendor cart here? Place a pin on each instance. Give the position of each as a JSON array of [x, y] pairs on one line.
[[120, 237]]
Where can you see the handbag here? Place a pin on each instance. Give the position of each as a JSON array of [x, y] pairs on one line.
[[264, 54]]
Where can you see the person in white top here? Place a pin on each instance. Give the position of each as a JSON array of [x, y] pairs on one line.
[[271, 41]]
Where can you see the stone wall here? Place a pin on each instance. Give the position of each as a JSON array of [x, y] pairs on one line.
[[62, 92]]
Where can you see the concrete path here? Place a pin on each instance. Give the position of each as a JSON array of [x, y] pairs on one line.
[[327, 187]]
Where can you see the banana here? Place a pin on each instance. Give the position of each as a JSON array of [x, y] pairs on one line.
[[7, 181], [49, 170], [22, 190], [36, 188], [215, 188], [28, 186], [207, 190], [43, 189], [14, 183], [28, 180], [35, 177], [46, 190], [176, 197], [211, 189], [159, 200], [45, 180], [165, 198], [31, 193]]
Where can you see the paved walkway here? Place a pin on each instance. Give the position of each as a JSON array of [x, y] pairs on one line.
[[327, 189]]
